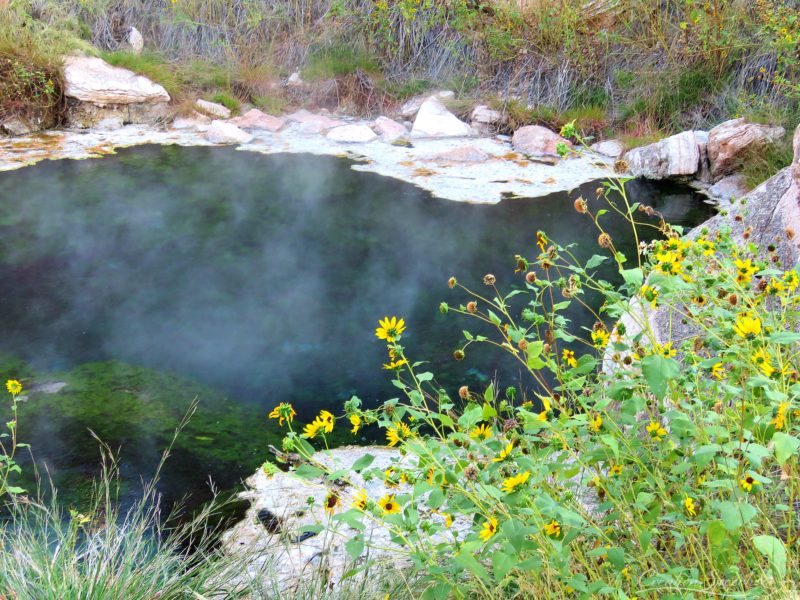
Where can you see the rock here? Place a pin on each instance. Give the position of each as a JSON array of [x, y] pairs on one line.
[[353, 134], [610, 148], [17, 126], [110, 123], [389, 130], [222, 132], [308, 122], [796, 162], [464, 154], [198, 122], [256, 119], [486, 116], [535, 140], [92, 80], [134, 41], [410, 109], [732, 186], [434, 120], [213, 109], [294, 80], [268, 536], [675, 156], [731, 141]]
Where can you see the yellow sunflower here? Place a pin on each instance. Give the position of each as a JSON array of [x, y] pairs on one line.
[[390, 329]]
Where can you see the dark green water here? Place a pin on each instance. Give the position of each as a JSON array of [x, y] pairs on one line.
[[161, 274]]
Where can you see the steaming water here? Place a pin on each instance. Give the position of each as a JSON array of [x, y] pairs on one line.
[[244, 281]]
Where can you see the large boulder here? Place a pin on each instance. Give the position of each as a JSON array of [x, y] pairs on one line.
[[222, 132], [535, 140], [96, 90], [411, 107], [256, 119], [352, 134], [91, 79], [389, 129], [434, 120], [675, 156], [730, 143]]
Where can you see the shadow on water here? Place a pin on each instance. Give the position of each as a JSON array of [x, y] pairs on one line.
[[161, 274]]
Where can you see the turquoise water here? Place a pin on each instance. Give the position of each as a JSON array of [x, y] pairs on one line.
[[162, 274]]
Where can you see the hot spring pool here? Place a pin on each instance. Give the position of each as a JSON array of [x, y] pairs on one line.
[[158, 275]]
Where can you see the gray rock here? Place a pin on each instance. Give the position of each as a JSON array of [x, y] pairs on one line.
[[732, 186], [610, 148], [134, 41], [17, 126], [675, 156], [535, 140], [353, 134], [308, 122], [294, 80], [222, 132], [410, 109], [110, 123], [90, 79], [730, 142], [485, 115], [389, 130], [214, 109], [434, 120], [256, 119]]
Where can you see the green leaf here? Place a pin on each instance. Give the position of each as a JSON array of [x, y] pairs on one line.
[[494, 318], [595, 261], [363, 462], [535, 348], [633, 277], [785, 446], [467, 335], [465, 559], [784, 337], [658, 370], [488, 412], [488, 395], [611, 442], [422, 377], [736, 514], [15, 490], [354, 547], [774, 550], [306, 471], [472, 414], [502, 564], [435, 498]]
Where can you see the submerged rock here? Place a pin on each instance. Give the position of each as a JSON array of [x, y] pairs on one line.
[[256, 119], [535, 140], [434, 120], [222, 132], [354, 134], [675, 156], [214, 109], [730, 142], [732, 186]]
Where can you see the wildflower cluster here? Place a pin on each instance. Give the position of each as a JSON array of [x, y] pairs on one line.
[[633, 459]]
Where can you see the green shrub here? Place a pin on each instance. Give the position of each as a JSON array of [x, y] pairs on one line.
[[338, 61], [228, 101], [632, 465]]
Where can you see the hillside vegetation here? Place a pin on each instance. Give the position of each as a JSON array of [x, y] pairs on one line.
[[639, 66]]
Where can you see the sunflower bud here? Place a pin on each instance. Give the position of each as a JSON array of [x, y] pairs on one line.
[[463, 392], [580, 205], [443, 308], [522, 345], [472, 307], [451, 283], [530, 277], [604, 240], [459, 355], [546, 348], [489, 279]]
